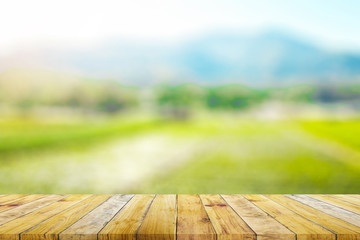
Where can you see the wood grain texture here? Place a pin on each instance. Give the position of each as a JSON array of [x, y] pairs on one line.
[[265, 227], [7, 198], [304, 228], [14, 228], [354, 199], [19, 201], [88, 227], [227, 224], [182, 217], [52, 227], [160, 220], [12, 214], [337, 202], [125, 223], [193, 222], [327, 208], [342, 229]]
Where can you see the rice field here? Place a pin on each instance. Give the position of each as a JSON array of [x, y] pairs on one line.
[[222, 153]]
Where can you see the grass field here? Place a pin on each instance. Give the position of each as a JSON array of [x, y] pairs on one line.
[[219, 154], [346, 132], [263, 157], [22, 135]]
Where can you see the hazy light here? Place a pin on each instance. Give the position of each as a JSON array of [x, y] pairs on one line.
[[83, 22]]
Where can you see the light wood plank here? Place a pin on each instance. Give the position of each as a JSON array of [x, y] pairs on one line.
[[7, 198], [12, 229], [265, 227], [20, 201], [88, 227], [193, 222], [304, 228], [125, 223], [160, 221], [332, 210], [14, 213], [227, 224], [214, 217], [348, 198], [51, 228], [337, 202], [343, 229]]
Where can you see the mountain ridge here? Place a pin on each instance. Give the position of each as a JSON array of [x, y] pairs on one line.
[[268, 58]]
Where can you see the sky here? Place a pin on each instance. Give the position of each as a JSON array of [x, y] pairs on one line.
[[333, 24]]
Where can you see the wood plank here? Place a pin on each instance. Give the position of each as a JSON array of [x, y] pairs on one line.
[[125, 223], [347, 198], [304, 228], [193, 222], [227, 224], [337, 202], [342, 229], [265, 227], [13, 229], [160, 220], [20, 201], [88, 227], [182, 217], [7, 198], [14, 213], [332, 210], [51, 228]]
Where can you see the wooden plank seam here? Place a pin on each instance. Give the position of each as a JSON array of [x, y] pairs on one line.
[[180, 217]]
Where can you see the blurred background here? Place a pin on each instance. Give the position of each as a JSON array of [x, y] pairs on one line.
[[230, 96]]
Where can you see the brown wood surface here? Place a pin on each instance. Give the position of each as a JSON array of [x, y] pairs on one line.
[[52, 227], [304, 228], [88, 227], [160, 220], [15, 227], [227, 223], [265, 227], [126, 222], [330, 209], [183, 217], [193, 221]]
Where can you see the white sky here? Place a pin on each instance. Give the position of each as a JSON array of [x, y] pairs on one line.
[[333, 23]]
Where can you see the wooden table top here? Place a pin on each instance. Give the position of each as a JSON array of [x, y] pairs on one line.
[[179, 217]]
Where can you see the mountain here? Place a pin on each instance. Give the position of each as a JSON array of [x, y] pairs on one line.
[[270, 57], [267, 58]]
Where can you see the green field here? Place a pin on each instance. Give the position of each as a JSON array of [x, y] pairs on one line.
[[221, 153]]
